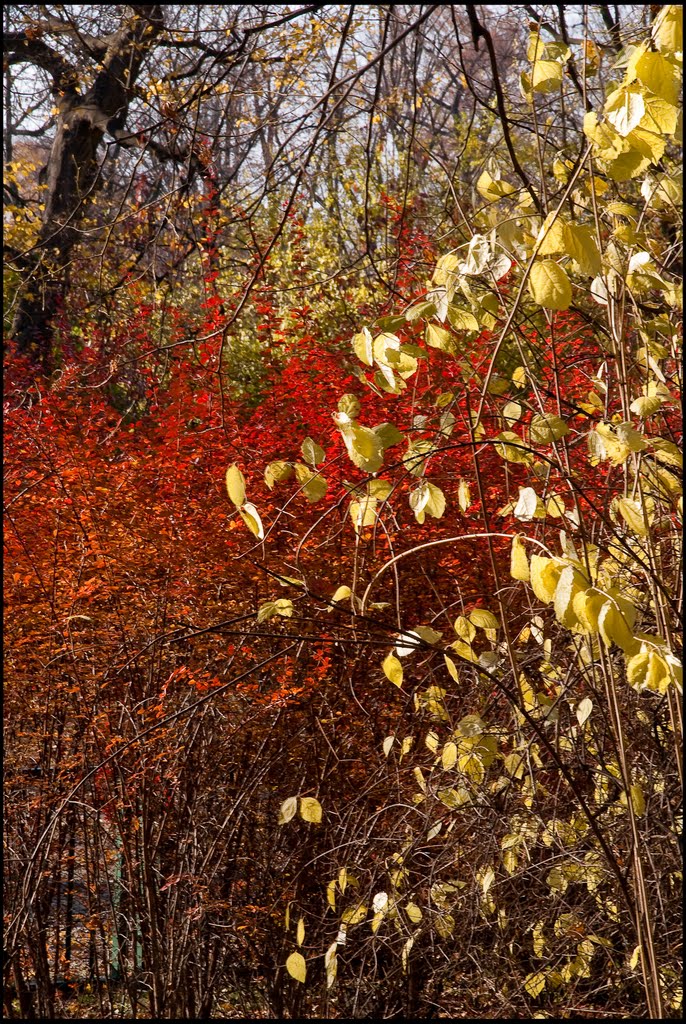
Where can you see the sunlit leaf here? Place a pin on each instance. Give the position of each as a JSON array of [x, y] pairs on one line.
[[583, 710], [296, 966], [310, 809], [235, 485], [549, 285], [311, 452], [251, 518], [393, 670], [519, 563]]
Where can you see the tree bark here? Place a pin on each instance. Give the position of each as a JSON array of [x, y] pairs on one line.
[[72, 170]]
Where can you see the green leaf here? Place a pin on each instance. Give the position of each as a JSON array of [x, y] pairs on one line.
[[549, 285], [235, 485], [393, 670], [311, 452], [296, 967], [310, 809]]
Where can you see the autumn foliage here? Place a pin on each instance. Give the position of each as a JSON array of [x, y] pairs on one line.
[[342, 621]]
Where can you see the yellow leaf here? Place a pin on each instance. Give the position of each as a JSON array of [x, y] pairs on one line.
[[452, 668], [331, 964], [276, 472], [570, 583], [512, 448], [296, 966], [615, 448], [638, 800], [534, 983], [438, 337], [491, 189], [584, 249], [667, 30], [613, 628], [362, 344], [555, 506], [519, 564], [624, 108], [464, 499], [584, 709], [660, 117], [310, 809], [449, 756], [312, 452], [364, 447], [632, 514], [546, 76], [300, 932], [235, 485], [549, 285], [393, 670], [414, 913], [483, 619], [363, 513], [545, 573], [287, 810], [553, 236], [546, 428], [647, 670], [251, 518]]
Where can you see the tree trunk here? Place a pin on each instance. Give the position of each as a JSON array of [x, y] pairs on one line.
[[72, 173]]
